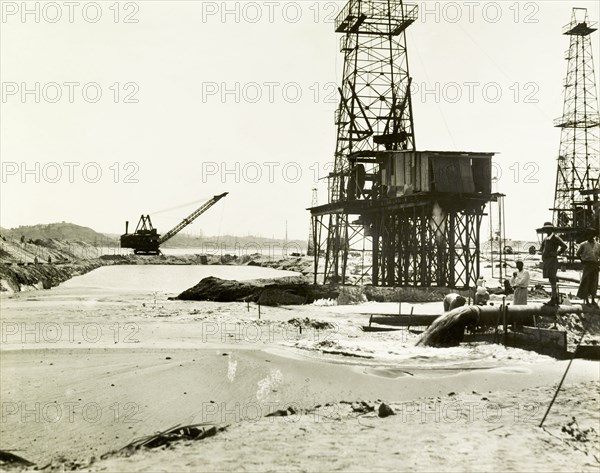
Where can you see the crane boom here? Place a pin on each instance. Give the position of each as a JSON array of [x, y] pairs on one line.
[[193, 216]]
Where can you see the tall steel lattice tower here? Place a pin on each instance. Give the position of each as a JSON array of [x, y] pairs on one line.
[[375, 112], [400, 216], [576, 204]]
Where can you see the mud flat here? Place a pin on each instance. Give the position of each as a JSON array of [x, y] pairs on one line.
[[88, 368]]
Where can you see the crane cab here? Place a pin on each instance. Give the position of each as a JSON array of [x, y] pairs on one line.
[[145, 240]]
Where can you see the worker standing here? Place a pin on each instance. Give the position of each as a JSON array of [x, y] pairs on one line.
[[552, 246], [520, 283], [589, 253], [482, 296]]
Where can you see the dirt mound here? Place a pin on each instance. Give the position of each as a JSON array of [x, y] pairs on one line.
[[575, 324], [409, 294], [276, 296], [302, 265], [292, 290], [351, 295], [14, 278], [114, 258]]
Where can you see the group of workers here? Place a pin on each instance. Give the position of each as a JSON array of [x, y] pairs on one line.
[[589, 254], [552, 247]]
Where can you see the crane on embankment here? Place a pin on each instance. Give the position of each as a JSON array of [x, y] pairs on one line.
[[146, 239]]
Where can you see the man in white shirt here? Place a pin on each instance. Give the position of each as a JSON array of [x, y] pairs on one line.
[[520, 283], [589, 253]]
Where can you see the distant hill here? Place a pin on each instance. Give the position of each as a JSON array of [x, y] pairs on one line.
[[58, 231]]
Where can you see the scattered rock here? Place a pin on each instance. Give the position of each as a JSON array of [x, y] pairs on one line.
[[362, 407], [385, 410], [282, 412], [308, 323]]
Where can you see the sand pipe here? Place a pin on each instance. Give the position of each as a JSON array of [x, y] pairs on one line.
[[448, 329]]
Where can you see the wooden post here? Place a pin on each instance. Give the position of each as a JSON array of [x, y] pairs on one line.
[[559, 302], [248, 305], [504, 323], [375, 237], [259, 311]]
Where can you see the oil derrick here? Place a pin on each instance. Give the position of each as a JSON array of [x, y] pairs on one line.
[[374, 113], [375, 109], [402, 217], [576, 202]]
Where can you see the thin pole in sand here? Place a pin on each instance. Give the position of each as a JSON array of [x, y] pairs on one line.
[[491, 240], [505, 327], [558, 303], [259, 311], [500, 241], [563, 378]]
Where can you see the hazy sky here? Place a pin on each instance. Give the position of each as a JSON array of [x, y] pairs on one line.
[[198, 98]]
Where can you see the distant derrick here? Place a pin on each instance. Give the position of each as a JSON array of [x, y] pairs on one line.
[[576, 203]]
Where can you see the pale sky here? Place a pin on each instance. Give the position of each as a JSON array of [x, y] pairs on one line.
[[240, 97]]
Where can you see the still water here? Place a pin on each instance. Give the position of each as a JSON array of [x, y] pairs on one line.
[[164, 278]]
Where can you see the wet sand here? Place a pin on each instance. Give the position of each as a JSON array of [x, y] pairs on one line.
[[102, 368], [80, 403]]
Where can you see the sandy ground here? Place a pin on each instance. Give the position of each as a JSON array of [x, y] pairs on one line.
[[85, 374], [467, 432]]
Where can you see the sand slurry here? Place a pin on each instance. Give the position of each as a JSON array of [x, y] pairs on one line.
[[84, 374]]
